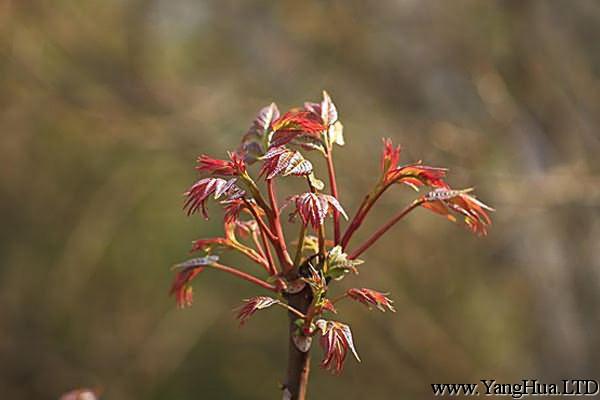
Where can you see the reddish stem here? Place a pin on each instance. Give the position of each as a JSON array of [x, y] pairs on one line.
[[281, 247], [339, 298], [250, 253], [296, 381], [264, 233], [243, 275], [369, 242], [260, 221], [358, 219], [261, 251], [272, 265], [334, 192]]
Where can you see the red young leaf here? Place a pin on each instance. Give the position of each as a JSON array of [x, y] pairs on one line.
[[200, 191], [336, 340], [256, 139], [327, 305], [445, 201], [263, 120], [233, 167], [233, 208], [314, 207], [294, 124], [390, 156], [326, 110], [415, 175], [372, 298], [188, 270], [252, 305], [284, 162]]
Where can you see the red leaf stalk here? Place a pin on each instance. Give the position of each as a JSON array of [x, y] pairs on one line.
[[265, 233], [381, 231], [281, 248], [243, 275], [334, 192], [360, 215], [296, 382]]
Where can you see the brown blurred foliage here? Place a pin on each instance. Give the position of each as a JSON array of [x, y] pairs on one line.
[[105, 105]]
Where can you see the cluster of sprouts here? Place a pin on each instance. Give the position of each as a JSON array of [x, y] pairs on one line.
[[253, 223]]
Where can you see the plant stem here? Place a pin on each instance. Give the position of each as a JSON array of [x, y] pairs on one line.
[[255, 192], [281, 248], [340, 297], [259, 221], [248, 252], [298, 256], [264, 234], [369, 242], [321, 239], [334, 192], [267, 247], [243, 275], [269, 260], [292, 310], [296, 382], [360, 215]]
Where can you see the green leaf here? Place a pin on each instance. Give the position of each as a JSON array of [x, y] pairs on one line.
[[316, 183], [338, 265], [336, 134]]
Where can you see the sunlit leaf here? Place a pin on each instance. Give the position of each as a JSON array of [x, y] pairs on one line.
[[314, 207], [371, 297], [337, 264], [252, 305], [336, 340], [284, 162], [447, 202]]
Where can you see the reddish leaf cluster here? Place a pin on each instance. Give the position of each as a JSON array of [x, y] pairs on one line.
[[233, 208], [371, 297], [415, 175], [314, 207], [446, 202], [280, 161], [188, 270], [252, 305], [256, 139], [326, 110], [336, 341], [294, 124], [200, 191], [253, 227], [235, 166]]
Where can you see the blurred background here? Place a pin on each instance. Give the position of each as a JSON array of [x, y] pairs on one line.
[[104, 106]]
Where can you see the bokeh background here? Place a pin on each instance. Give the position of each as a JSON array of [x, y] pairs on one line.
[[104, 106]]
